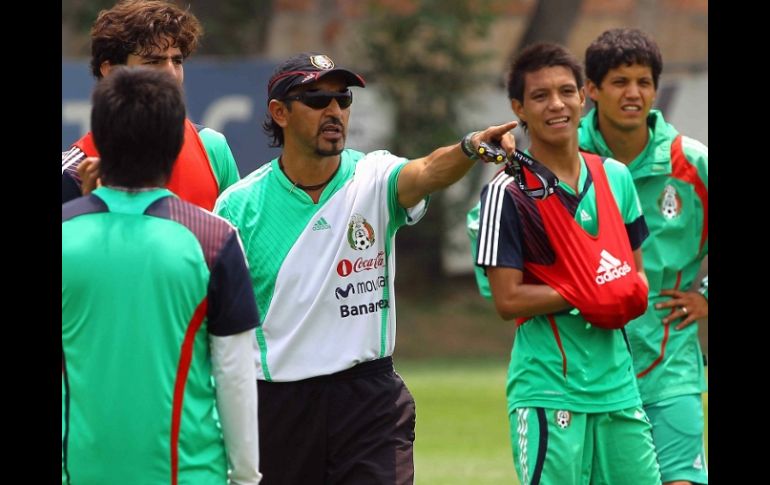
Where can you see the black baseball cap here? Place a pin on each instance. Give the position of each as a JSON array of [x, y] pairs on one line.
[[305, 68]]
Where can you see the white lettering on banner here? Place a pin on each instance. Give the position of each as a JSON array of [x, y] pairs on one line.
[[226, 110]]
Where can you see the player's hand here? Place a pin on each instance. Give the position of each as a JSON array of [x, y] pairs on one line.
[[493, 136], [687, 305], [88, 170]]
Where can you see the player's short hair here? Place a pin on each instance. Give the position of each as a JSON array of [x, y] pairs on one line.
[[616, 47], [137, 120], [536, 57]]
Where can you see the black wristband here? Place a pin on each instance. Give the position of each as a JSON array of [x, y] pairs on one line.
[[467, 146]]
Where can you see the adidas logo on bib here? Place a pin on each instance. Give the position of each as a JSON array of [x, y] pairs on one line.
[[610, 268]]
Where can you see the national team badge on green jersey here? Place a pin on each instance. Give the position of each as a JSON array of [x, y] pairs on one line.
[[670, 203], [360, 233], [563, 418]]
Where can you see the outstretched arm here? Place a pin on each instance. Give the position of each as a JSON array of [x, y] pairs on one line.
[[446, 165]]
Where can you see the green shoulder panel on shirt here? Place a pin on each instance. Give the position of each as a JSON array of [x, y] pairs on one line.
[[398, 215], [624, 190], [221, 158]]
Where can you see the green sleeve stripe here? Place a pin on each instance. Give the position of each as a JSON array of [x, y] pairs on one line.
[[263, 352], [397, 213]]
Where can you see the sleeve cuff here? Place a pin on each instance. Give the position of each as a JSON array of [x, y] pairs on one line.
[[704, 287]]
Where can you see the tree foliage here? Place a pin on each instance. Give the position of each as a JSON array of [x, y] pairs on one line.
[[231, 27], [551, 21], [425, 56]]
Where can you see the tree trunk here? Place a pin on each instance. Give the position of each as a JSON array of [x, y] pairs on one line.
[[551, 21]]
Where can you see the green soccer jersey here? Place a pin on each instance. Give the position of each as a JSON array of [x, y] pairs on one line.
[[221, 158], [674, 198], [567, 363], [146, 278], [323, 273]]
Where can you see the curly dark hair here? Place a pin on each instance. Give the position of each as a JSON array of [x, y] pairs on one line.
[[622, 46], [140, 27]]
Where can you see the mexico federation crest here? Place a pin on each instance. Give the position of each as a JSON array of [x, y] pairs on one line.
[[360, 233], [669, 202], [563, 418], [322, 62]]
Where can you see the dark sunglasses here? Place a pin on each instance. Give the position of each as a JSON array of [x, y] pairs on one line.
[[321, 99]]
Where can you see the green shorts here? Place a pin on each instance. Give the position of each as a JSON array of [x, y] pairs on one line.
[[677, 430], [553, 447]]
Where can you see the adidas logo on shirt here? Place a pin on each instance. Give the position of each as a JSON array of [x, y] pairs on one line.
[[610, 268], [321, 225], [584, 216], [698, 463]]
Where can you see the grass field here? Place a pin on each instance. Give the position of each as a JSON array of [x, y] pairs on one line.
[[462, 426]]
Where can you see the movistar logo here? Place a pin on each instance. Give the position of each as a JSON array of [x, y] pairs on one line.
[[321, 225], [344, 292]]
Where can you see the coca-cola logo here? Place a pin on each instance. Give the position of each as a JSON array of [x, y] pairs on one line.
[[346, 267]]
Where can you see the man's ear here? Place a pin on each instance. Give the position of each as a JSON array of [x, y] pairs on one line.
[[518, 109], [105, 68], [593, 90], [279, 111]]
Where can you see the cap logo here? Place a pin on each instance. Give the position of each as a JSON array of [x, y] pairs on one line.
[[322, 62]]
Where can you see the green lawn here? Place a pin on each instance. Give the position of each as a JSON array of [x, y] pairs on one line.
[[462, 426]]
